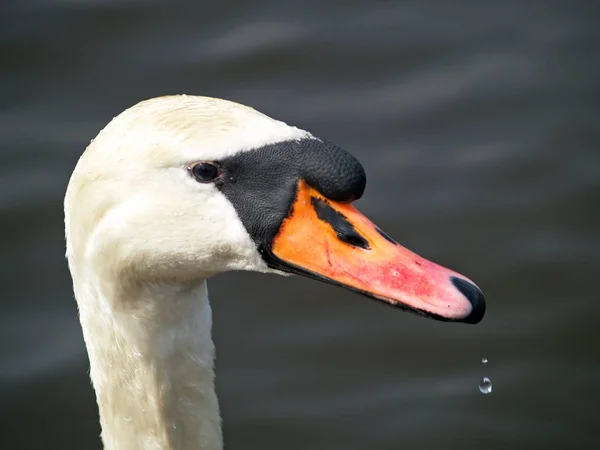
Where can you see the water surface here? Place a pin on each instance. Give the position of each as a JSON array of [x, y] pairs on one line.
[[477, 123]]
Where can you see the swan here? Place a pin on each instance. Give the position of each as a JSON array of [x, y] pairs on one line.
[[177, 189]]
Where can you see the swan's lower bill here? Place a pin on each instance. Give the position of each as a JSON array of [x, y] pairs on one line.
[[334, 242]]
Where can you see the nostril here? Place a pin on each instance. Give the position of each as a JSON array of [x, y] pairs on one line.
[[475, 297], [353, 238], [344, 230]]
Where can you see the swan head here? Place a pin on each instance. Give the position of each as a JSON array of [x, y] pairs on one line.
[[177, 189]]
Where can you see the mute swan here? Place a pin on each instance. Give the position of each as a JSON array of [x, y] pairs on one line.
[[177, 189]]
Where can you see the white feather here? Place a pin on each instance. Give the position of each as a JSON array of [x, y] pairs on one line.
[[142, 238]]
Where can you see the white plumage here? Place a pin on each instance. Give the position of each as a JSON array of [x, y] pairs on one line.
[[142, 238]]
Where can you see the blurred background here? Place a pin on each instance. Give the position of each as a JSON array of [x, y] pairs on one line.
[[478, 125]]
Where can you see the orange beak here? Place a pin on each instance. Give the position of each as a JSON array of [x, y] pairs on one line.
[[335, 243]]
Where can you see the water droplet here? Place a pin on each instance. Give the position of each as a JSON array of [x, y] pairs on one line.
[[485, 386], [484, 360]]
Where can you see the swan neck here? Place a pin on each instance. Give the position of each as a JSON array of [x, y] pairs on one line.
[[151, 364]]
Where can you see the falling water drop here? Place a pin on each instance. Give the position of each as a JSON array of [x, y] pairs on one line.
[[485, 386], [484, 360]]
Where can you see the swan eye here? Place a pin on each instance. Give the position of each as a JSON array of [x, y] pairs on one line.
[[204, 172]]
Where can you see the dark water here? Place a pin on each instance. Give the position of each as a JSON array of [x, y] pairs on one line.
[[478, 125]]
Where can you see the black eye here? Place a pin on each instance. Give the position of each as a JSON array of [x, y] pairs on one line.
[[205, 172]]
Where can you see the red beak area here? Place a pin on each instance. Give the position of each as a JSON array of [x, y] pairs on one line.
[[334, 242]]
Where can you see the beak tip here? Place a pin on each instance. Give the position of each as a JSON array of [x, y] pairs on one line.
[[475, 297]]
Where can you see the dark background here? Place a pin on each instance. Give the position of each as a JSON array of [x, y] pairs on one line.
[[478, 125]]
